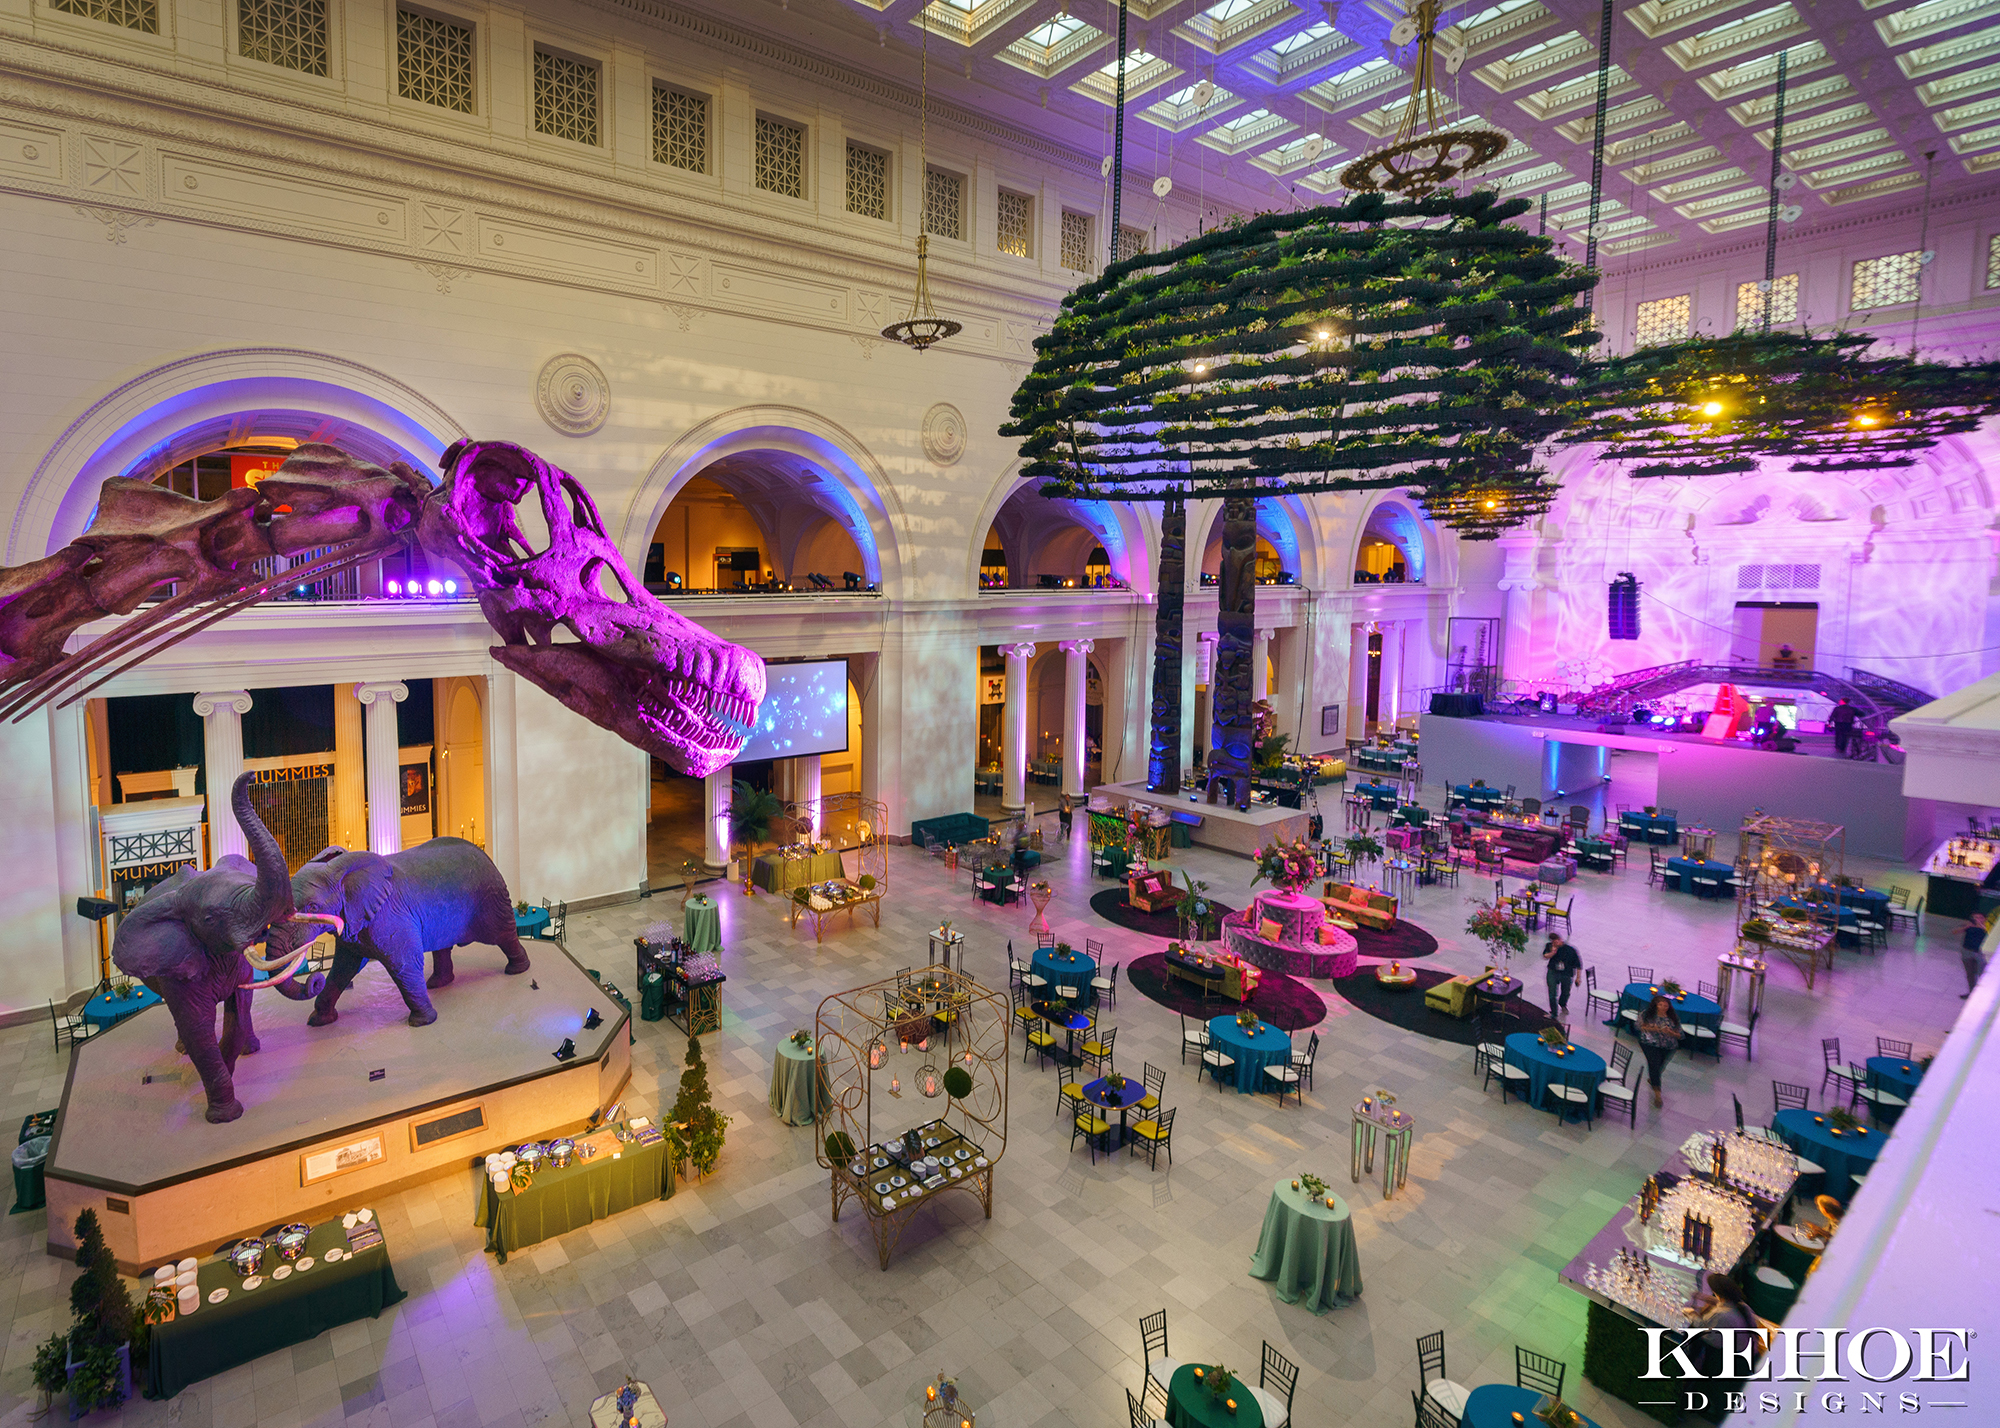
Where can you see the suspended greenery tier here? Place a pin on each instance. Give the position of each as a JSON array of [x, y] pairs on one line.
[[1713, 405], [1382, 342]]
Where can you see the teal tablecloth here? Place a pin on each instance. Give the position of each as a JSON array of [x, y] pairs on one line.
[[104, 1009], [793, 1083], [1308, 1251], [1895, 1075], [1681, 869], [277, 1313], [1191, 1405], [1525, 1050], [702, 927], [1493, 1405], [1692, 1008], [1075, 972], [1651, 827], [1253, 1050], [531, 922], [1845, 1155]]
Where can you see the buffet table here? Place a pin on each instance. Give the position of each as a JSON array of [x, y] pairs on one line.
[[776, 873], [617, 1178], [1957, 871], [276, 1314]]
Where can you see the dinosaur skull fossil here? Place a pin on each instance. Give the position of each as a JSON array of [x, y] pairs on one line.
[[657, 680]]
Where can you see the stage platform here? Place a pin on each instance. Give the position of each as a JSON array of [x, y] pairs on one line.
[[1221, 826], [319, 1133]]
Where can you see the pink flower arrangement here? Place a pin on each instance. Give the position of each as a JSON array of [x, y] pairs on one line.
[[1288, 866]]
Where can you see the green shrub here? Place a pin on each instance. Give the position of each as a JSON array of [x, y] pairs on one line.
[[958, 1083]]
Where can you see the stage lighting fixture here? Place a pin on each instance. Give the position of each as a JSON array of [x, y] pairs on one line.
[[1641, 714], [1711, 408], [850, 580], [673, 580], [451, 587], [436, 587], [593, 1021], [567, 1051], [394, 587]]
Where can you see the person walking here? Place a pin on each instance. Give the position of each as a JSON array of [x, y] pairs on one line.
[[1067, 814], [1563, 967], [1972, 953], [1842, 721], [1659, 1034]]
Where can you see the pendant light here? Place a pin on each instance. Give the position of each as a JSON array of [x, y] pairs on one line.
[[1414, 165], [923, 328]]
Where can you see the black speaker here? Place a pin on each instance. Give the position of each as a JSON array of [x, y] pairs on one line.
[[1624, 607]]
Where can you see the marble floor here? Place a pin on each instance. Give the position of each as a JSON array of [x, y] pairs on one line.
[[744, 1307]]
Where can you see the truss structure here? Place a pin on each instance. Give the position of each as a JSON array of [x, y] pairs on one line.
[[899, 1037], [1789, 857]]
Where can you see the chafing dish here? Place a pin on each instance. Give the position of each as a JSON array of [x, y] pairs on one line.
[[561, 1152], [247, 1258], [532, 1155], [288, 1240]]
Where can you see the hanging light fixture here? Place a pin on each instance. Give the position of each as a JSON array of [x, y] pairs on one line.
[[923, 328], [1415, 164]]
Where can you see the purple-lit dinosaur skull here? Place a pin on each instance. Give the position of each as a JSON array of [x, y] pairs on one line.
[[657, 680]]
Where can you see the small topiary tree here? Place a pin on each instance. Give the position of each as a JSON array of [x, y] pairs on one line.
[[696, 1122], [958, 1083], [98, 1300]]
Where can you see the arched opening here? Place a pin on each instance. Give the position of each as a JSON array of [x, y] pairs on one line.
[[1038, 543], [758, 522], [1391, 548], [1277, 547]]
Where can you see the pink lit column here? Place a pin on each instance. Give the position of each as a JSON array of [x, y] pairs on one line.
[[715, 791], [222, 714], [1014, 731], [382, 757], [1076, 723]]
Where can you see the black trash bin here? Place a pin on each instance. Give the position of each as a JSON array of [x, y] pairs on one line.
[[30, 1191]]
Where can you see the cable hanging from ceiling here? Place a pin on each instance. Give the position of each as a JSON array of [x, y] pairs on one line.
[[923, 328]]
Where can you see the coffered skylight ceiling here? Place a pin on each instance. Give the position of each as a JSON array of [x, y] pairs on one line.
[[1258, 103]]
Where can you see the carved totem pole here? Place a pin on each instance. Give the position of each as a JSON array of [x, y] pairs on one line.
[[1163, 764], [1230, 712]]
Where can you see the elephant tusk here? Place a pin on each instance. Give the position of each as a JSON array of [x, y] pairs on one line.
[[266, 964], [287, 965]]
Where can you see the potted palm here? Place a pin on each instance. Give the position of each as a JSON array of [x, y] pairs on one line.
[[752, 811]]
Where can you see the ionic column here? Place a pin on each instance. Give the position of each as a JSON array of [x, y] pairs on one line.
[[1076, 722], [806, 787], [1014, 729], [383, 756], [350, 782], [1260, 665], [715, 790], [222, 714]]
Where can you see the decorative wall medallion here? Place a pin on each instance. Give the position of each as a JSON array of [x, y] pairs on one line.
[[944, 434], [115, 220], [683, 314], [572, 394], [441, 229], [444, 274], [112, 166]]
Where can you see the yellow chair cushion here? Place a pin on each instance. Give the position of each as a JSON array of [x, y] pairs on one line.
[[1096, 1048], [1073, 1091], [1041, 1038], [1148, 1103], [1093, 1125], [1149, 1129]]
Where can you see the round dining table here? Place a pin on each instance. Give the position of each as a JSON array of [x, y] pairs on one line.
[[1545, 1063], [531, 922], [1191, 1405], [1307, 1250], [702, 928], [1843, 1154], [1261, 1046], [1894, 1074], [1071, 969], [794, 1083], [1120, 1098], [108, 1008], [1493, 1405], [1692, 1008]]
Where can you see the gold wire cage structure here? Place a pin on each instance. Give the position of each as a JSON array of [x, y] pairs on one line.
[[1791, 858], [898, 1040]]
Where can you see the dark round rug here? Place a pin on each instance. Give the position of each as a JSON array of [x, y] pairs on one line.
[[1407, 1010], [1112, 907], [1285, 1002], [1402, 942]]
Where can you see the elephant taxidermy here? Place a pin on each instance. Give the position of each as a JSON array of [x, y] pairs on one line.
[[189, 940], [437, 896]]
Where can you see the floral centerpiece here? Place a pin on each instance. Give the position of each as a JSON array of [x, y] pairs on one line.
[[1558, 1414], [1552, 1037], [1246, 1019], [1503, 936], [1362, 848], [802, 1038], [1195, 912], [1312, 1185], [1842, 1120], [1288, 866], [1756, 929], [1672, 988]]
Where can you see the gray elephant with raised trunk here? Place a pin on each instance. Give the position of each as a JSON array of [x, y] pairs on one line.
[[189, 940], [432, 898]]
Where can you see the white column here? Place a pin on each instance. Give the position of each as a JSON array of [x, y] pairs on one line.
[[806, 786], [1014, 729], [715, 818], [222, 714], [383, 755], [1076, 723], [350, 782], [1260, 665]]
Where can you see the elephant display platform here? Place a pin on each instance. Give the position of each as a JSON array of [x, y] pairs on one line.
[[187, 1185]]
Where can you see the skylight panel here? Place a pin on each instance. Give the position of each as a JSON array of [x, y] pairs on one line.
[[1310, 33], [1047, 36]]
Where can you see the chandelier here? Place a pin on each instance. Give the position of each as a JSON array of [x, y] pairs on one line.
[[1412, 163], [923, 329]]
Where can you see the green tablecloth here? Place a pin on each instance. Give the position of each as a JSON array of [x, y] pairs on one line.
[[792, 1082], [781, 875], [653, 997], [702, 930], [279, 1312], [568, 1199], [1191, 1405], [1308, 1250]]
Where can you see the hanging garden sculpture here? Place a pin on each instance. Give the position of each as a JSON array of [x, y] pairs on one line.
[[1422, 343], [631, 666]]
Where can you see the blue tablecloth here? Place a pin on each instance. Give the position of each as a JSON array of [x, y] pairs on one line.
[[104, 1009], [1381, 795], [1492, 1405], [1894, 1075], [531, 922], [1525, 1050], [1477, 797], [1266, 1046], [1844, 1155], [1693, 1008], [1871, 902], [1653, 828], [1076, 972], [1679, 869]]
